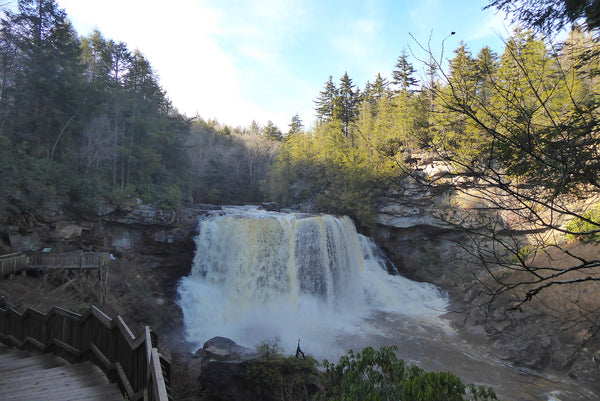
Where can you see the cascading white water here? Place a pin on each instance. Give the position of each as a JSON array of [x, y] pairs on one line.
[[261, 275]]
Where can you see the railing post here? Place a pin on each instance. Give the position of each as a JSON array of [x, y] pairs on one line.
[[111, 343]]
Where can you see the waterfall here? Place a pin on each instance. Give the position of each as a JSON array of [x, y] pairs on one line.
[[261, 275]]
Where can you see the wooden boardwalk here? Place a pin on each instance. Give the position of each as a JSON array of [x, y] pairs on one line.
[[17, 263], [28, 376]]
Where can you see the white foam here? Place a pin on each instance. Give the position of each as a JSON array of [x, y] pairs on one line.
[[262, 275]]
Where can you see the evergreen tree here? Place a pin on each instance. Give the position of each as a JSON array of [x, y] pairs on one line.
[[255, 128], [463, 74], [376, 92], [346, 103], [454, 131], [486, 65], [45, 89], [381, 87], [551, 16], [402, 76], [271, 132], [96, 58], [324, 104], [296, 126]]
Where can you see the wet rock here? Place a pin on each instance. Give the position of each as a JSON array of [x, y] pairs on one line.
[[147, 215], [70, 232], [24, 242], [271, 206], [225, 349], [103, 209]]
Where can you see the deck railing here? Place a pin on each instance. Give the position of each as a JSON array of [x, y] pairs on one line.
[[15, 263], [12, 264], [135, 363]]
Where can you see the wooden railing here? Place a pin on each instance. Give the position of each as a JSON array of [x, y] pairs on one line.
[[81, 260], [17, 262], [142, 373], [12, 264]]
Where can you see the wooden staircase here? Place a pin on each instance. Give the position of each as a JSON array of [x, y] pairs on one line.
[[28, 376]]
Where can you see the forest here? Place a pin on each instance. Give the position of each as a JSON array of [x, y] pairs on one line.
[[86, 118]]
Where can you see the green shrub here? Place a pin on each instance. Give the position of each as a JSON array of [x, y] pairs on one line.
[[371, 375], [282, 377], [84, 196], [586, 231], [170, 197]]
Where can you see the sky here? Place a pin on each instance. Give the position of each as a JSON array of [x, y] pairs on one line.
[[238, 61]]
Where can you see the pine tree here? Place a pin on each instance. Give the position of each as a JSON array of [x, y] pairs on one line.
[[296, 126], [97, 59], [324, 104], [381, 87], [346, 103], [376, 92], [455, 132], [402, 76], [486, 66], [463, 74], [255, 128], [271, 132]]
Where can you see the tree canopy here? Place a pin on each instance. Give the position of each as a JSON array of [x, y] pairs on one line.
[[550, 16]]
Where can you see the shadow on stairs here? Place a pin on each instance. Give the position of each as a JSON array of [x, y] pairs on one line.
[[29, 376]]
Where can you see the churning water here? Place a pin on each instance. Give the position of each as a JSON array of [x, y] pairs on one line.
[[258, 276], [261, 275]]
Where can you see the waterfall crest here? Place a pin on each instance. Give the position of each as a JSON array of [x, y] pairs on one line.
[[259, 275]]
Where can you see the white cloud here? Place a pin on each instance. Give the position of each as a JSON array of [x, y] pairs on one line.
[[180, 39]]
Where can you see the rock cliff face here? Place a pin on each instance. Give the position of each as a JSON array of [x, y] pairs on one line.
[[421, 225], [421, 228], [116, 229]]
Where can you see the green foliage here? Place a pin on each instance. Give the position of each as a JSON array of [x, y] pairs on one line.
[[170, 198], [325, 102], [84, 196], [270, 348], [521, 255], [282, 377], [379, 375], [84, 117], [403, 75], [28, 182], [587, 228], [271, 132], [550, 16], [331, 171], [296, 126], [349, 192]]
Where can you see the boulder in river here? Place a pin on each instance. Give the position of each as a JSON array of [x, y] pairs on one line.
[[226, 350]]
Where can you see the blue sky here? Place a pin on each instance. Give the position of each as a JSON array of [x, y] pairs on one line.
[[236, 61]]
